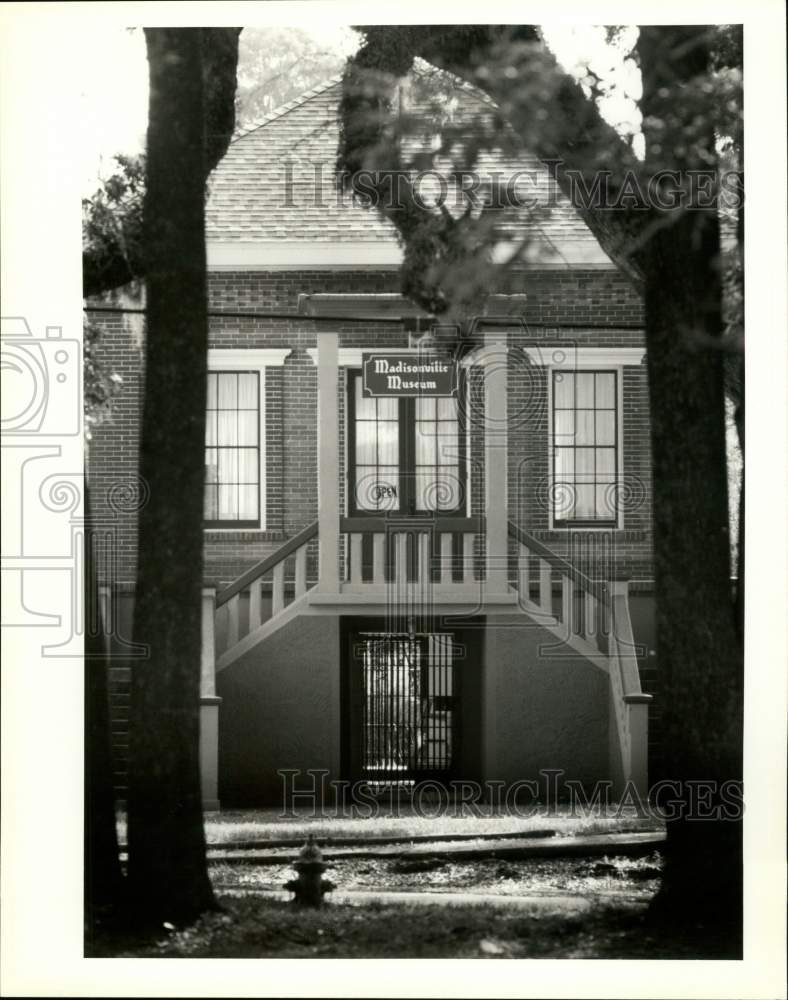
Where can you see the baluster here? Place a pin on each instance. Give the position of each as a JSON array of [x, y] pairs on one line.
[[523, 580], [356, 542], [378, 558], [402, 558], [468, 575], [545, 586], [425, 576], [300, 571], [590, 614], [255, 608], [278, 593], [232, 621], [446, 557], [567, 603]]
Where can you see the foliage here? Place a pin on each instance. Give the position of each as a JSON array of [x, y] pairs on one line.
[[112, 228], [276, 65]]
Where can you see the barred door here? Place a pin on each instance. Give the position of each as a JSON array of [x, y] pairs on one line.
[[409, 706]]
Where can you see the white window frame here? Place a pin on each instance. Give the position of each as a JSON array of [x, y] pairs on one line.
[[570, 358], [225, 359]]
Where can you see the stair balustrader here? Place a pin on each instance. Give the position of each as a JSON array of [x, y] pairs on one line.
[[596, 622], [242, 610]]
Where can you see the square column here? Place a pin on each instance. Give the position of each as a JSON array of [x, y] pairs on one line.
[[494, 360], [328, 461], [209, 706]]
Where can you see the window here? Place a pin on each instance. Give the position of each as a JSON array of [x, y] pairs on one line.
[[232, 450], [405, 455], [585, 448]]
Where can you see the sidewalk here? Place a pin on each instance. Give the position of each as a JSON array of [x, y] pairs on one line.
[[515, 848]]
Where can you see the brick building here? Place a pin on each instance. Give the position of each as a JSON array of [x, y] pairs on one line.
[[405, 586]]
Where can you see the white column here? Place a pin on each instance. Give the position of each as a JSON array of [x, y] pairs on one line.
[[209, 705], [494, 360], [328, 461]]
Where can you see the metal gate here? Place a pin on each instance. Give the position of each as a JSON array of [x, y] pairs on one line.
[[409, 702]]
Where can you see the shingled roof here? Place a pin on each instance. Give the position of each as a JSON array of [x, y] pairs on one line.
[[276, 185]]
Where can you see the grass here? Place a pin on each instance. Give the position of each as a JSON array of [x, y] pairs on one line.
[[251, 927]]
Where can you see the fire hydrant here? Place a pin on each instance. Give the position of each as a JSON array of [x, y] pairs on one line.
[[310, 886]]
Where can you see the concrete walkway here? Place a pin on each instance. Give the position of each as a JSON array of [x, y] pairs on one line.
[[510, 848]]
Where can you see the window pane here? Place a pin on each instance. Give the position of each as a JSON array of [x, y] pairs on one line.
[[564, 501], [388, 409], [228, 503], [425, 444], [247, 427], [449, 488], [228, 427], [585, 427], [211, 465], [564, 426], [366, 478], [563, 390], [605, 462], [228, 465], [211, 507], [247, 503], [564, 464], [425, 490], [584, 463], [388, 443], [605, 501], [385, 490], [210, 428], [228, 390], [365, 443], [425, 407], [447, 408], [212, 390], [247, 391], [448, 442], [585, 390], [247, 465], [584, 500], [605, 427], [605, 391], [365, 407]]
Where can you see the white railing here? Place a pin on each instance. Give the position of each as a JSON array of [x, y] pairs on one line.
[[596, 615], [382, 552], [245, 606]]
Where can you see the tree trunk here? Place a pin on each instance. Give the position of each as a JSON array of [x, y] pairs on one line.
[[167, 867], [700, 657]]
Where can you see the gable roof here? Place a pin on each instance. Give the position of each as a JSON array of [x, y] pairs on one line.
[[276, 186]]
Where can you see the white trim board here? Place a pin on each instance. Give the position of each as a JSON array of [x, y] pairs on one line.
[[294, 255], [568, 355]]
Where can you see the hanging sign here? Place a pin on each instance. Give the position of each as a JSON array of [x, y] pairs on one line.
[[408, 375]]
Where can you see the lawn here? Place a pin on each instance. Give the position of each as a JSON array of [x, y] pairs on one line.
[[252, 927]]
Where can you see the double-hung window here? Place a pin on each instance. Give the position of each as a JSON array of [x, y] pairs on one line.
[[404, 455], [232, 450], [585, 446]]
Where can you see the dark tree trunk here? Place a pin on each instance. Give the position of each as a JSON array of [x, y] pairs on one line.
[[700, 656], [167, 867], [103, 879]]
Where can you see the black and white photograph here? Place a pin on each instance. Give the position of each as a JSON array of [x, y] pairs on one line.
[[377, 576]]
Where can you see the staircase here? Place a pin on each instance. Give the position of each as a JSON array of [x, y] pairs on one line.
[[438, 562]]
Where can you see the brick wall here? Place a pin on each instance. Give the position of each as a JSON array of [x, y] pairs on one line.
[[554, 298]]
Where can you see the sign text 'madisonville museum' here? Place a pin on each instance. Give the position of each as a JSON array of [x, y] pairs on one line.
[[408, 375]]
